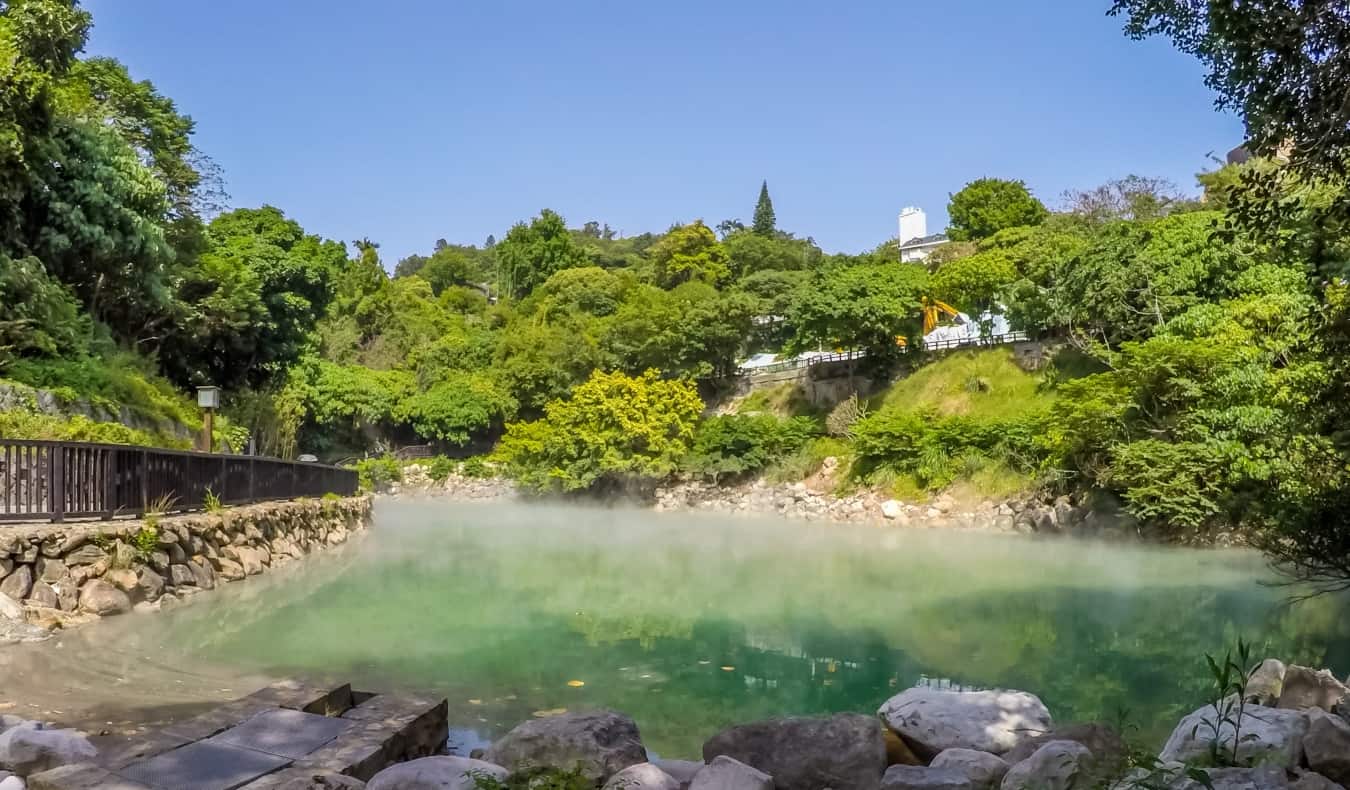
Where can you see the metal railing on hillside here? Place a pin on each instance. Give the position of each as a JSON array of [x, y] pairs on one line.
[[848, 356], [53, 481]]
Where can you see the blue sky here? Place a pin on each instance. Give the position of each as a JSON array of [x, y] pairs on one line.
[[412, 120]]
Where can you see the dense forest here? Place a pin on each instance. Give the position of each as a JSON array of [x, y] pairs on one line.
[[1209, 391]]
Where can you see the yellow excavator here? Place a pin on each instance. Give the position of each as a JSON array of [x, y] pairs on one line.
[[932, 310]]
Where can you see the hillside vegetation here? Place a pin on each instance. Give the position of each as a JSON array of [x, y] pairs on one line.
[[1217, 330]]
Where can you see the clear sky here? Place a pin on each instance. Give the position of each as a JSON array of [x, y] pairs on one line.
[[411, 120]]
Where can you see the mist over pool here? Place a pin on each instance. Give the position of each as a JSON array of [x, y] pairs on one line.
[[691, 623]]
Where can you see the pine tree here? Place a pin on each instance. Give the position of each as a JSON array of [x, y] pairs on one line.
[[764, 218]]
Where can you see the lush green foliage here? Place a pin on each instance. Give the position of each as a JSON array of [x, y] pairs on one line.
[[859, 306], [988, 205], [737, 445], [613, 430]]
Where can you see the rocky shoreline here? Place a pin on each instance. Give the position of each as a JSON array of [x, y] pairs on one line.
[[56, 576], [1289, 730], [1060, 515]]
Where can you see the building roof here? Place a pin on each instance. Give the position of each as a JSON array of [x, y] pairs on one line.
[[925, 241]]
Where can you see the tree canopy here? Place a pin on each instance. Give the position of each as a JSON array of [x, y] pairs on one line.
[[988, 205]]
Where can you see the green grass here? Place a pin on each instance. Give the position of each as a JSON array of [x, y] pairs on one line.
[[983, 384], [16, 424], [113, 381]]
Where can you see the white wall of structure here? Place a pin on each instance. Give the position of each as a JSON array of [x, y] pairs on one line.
[[913, 224]]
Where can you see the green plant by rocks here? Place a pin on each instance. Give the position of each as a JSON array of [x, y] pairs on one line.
[[375, 474], [146, 540], [441, 468], [211, 502], [844, 416], [477, 467], [1229, 701], [738, 445]]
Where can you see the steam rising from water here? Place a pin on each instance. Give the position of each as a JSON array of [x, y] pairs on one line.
[[690, 623]]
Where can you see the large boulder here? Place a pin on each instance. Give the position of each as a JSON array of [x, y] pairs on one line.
[[1311, 780], [1057, 765], [17, 584], [682, 771], [1106, 745], [1269, 736], [643, 776], [1267, 777], [844, 750], [922, 777], [1327, 745], [435, 773], [601, 743], [1311, 688], [983, 770], [988, 721], [28, 750], [724, 773], [101, 598]]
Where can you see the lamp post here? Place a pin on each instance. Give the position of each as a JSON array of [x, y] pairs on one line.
[[208, 398]]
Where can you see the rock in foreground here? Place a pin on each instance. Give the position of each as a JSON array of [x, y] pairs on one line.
[[435, 773], [845, 750], [1270, 736], [983, 770], [601, 743], [1058, 765], [920, 777], [28, 750], [643, 776], [988, 721], [724, 773]]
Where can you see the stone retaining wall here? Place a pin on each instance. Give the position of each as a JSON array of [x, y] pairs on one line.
[[58, 575]]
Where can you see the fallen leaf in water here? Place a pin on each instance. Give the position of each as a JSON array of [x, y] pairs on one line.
[[544, 714], [475, 702], [728, 669], [576, 684]]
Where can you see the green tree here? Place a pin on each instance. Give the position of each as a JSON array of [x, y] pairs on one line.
[[692, 330], [531, 253], [765, 223], [38, 316], [614, 431], [458, 406], [860, 307], [988, 205], [687, 253], [750, 253]]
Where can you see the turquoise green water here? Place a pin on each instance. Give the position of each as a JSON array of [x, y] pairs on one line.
[[690, 624]]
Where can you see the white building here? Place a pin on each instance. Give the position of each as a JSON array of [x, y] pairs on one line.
[[915, 243]]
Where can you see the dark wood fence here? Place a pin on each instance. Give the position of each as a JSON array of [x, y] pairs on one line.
[[53, 481]]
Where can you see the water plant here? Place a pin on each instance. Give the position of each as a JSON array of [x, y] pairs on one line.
[[1228, 701]]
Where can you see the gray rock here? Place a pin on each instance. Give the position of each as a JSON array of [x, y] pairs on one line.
[[988, 721], [205, 578], [50, 570], [1106, 745], [844, 750], [1327, 745], [920, 777], [1268, 777], [103, 599], [180, 575], [1271, 736], [42, 594], [88, 554], [1309, 688], [435, 773], [601, 743], [643, 776], [983, 770], [724, 773], [682, 771], [17, 584], [1309, 780], [12, 782], [1265, 683], [150, 585], [10, 609], [27, 751], [1058, 765]]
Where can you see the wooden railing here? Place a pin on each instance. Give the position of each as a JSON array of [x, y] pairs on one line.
[[53, 481]]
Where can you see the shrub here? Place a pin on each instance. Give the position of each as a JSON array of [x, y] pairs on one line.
[[375, 474], [614, 429], [441, 468], [845, 415], [476, 467], [738, 445], [936, 450]]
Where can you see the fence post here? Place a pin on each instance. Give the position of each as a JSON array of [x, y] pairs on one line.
[[224, 478], [145, 482], [56, 460], [252, 497], [109, 483]]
